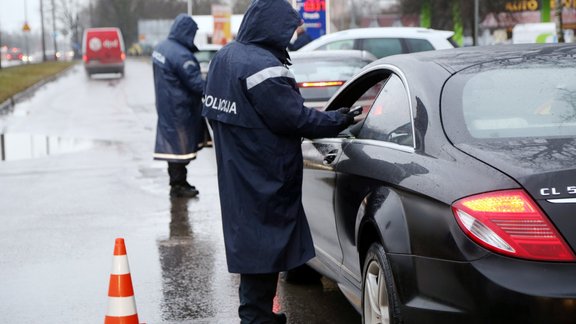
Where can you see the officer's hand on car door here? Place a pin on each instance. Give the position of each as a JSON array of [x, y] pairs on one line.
[[350, 113]]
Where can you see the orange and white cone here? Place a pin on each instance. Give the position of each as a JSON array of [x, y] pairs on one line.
[[121, 302]]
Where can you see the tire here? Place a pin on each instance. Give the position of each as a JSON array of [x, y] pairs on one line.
[[380, 303]]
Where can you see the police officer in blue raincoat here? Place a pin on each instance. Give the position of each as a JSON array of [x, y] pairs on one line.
[[179, 87], [258, 119]]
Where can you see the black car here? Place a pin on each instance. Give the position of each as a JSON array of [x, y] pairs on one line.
[[453, 198]]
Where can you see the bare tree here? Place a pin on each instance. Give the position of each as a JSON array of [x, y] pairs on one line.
[[68, 16], [123, 14]]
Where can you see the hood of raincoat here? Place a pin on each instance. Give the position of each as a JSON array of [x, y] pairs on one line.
[[269, 24], [183, 31]]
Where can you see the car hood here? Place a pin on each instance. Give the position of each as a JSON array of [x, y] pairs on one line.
[[545, 167]]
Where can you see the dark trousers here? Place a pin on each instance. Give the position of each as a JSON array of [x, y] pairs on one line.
[[177, 173], [257, 293]]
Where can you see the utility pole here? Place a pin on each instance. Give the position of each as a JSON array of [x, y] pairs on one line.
[[559, 22], [0, 46], [91, 14], [190, 7], [54, 31], [26, 31], [42, 31], [476, 20]]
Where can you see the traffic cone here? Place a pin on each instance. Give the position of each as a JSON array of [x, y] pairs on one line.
[[121, 302]]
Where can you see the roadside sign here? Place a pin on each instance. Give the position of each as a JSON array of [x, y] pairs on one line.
[[314, 13], [26, 27]]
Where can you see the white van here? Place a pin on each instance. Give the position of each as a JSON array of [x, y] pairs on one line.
[[534, 33]]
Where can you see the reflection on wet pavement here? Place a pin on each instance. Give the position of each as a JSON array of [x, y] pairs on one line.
[[187, 269], [17, 146], [193, 294]]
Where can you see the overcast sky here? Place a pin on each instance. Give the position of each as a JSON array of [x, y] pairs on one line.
[[13, 14]]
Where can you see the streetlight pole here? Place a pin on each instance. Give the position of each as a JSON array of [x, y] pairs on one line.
[[190, 7]]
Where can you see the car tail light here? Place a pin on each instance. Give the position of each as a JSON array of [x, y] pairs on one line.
[[320, 84], [85, 58], [510, 222], [123, 56]]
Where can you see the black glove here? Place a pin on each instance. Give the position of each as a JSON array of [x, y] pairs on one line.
[[344, 111]]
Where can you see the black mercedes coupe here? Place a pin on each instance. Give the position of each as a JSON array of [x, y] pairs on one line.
[[453, 197]]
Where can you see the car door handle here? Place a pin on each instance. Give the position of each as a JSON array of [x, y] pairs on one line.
[[329, 158]]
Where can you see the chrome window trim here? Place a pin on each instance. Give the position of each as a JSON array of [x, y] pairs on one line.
[[390, 145]]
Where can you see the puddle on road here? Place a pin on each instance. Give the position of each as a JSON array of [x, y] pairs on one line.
[[20, 146]]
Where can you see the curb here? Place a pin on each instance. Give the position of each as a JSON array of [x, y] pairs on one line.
[[8, 105]]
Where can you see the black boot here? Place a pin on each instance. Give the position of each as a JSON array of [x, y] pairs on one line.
[[280, 318], [189, 186], [178, 191]]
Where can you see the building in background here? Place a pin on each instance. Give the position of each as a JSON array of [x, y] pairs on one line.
[[151, 32], [494, 26]]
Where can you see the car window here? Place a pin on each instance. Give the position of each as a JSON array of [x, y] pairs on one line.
[[389, 118], [368, 97], [346, 44], [418, 45], [520, 103], [381, 47]]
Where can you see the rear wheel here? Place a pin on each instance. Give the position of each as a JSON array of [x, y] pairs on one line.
[[380, 303]]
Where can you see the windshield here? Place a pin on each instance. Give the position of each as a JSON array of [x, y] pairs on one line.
[[524, 99]]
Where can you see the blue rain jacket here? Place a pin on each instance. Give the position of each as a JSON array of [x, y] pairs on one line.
[[258, 119], [179, 87]]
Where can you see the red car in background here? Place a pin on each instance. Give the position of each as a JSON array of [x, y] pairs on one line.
[[14, 54]]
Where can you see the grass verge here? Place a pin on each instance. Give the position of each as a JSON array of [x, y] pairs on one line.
[[18, 78]]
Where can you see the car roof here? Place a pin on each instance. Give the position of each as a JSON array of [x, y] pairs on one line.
[[332, 54], [376, 32], [370, 32], [457, 59]]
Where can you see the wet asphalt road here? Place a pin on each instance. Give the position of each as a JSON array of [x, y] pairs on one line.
[[76, 172]]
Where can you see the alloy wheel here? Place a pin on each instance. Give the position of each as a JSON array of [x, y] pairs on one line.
[[375, 295]]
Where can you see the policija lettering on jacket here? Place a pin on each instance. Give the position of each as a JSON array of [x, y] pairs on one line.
[[258, 118], [220, 104]]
